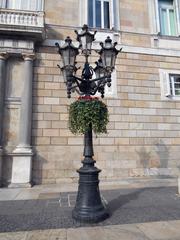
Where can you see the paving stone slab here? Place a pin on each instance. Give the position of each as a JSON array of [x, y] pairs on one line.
[[160, 230], [58, 234], [104, 233], [143, 231], [125, 206]]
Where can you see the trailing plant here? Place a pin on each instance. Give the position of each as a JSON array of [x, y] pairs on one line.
[[86, 112]]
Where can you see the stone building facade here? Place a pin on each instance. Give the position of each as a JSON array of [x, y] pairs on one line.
[[144, 101]]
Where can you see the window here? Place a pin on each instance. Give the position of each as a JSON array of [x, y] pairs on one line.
[[102, 14], [167, 16], [170, 84], [174, 82], [98, 13], [31, 5]]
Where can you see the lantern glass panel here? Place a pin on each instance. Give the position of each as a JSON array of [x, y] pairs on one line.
[[100, 72], [68, 56], [108, 58], [83, 42], [97, 72], [103, 58], [86, 42], [89, 42], [65, 56], [113, 59], [72, 57], [64, 75], [108, 44]]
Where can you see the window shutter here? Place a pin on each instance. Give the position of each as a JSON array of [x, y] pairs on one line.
[[157, 17], [177, 7], [83, 12], [39, 5], [111, 14], [2, 3], [14, 4], [25, 5], [116, 15], [166, 83], [32, 5]]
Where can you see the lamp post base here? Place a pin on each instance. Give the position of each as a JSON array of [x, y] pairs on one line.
[[89, 207]]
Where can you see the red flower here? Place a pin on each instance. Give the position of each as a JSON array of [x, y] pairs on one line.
[[87, 98]]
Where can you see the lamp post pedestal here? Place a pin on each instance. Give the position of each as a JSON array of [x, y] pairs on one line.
[[89, 207]]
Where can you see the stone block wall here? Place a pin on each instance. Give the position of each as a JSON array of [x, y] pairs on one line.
[[143, 133]]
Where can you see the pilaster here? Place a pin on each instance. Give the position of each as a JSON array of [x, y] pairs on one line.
[[22, 155], [3, 57]]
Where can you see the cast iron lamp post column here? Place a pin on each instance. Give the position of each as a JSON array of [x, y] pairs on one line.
[[89, 207]]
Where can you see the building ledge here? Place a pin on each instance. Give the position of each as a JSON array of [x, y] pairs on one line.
[[27, 24]]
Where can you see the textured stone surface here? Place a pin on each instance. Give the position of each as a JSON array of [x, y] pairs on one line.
[[160, 230], [142, 139], [107, 233], [126, 206], [111, 232], [143, 133]]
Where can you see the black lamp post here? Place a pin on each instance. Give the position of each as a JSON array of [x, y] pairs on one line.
[[89, 207]]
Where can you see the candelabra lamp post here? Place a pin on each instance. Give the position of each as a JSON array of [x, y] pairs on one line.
[[89, 207]]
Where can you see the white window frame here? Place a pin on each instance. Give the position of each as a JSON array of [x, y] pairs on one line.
[[157, 28], [168, 8], [172, 82], [165, 78], [113, 14], [102, 13]]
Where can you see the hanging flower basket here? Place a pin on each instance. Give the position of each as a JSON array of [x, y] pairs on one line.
[[86, 112]]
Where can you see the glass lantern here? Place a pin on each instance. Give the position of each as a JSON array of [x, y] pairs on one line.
[[108, 54], [85, 38], [68, 53]]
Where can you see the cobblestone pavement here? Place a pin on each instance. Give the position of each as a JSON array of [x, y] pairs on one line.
[[126, 206]]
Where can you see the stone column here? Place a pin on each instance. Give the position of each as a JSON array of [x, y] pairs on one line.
[[22, 155], [3, 57]]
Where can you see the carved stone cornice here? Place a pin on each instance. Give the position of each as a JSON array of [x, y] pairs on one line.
[[28, 56], [4, 55]]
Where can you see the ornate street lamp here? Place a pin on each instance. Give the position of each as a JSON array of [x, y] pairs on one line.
[[108, 54], [86, 39], [89, 207]]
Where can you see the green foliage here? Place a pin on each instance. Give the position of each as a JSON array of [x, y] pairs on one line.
[[85, 112]]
